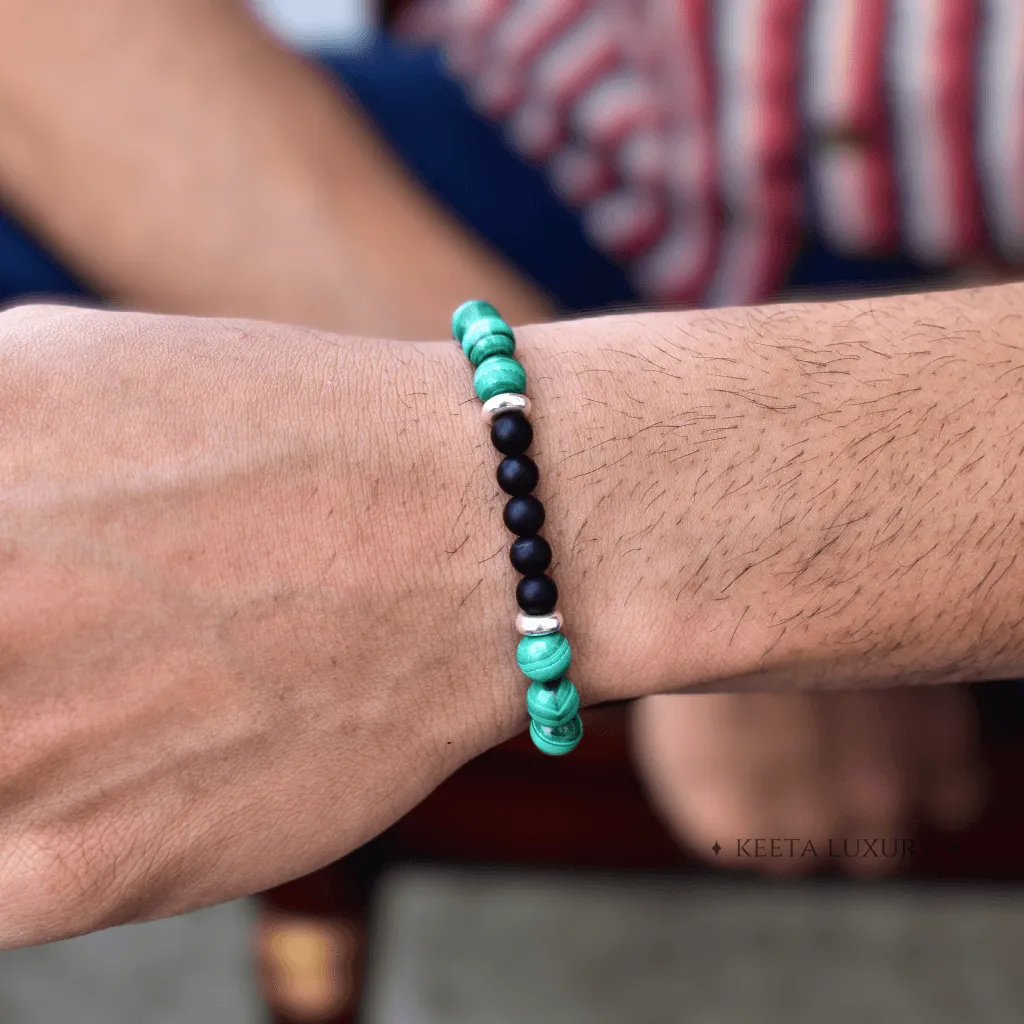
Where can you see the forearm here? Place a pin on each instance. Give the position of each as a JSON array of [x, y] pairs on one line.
[[787, 496], [182, 161]]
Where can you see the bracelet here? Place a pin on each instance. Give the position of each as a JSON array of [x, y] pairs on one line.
[[543, 653]]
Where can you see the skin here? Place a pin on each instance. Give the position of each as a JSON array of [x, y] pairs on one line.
[[297, 534], [819, 768], [99, 101]]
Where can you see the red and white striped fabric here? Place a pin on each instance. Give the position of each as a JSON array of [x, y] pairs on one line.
[[849, 140], [691, 133], [1000, 122]]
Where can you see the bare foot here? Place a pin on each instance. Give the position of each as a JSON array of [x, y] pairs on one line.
[[850, 766]]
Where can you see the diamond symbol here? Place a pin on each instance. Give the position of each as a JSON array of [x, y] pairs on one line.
[[716, 848]]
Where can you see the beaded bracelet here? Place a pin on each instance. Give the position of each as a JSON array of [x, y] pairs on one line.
[[543, 653]]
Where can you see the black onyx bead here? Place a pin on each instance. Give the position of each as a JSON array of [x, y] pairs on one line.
[[537, 595], [517, 474], [511, 433], [530, 555], [524, 515]]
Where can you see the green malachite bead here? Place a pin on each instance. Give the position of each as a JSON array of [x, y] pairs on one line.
[[557, 741], [552, 706], [491, 345], [475, 309], [499, 375], [490, 336], [544, 658]]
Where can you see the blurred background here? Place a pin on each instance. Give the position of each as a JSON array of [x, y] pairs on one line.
[[311, 23], [526, 892]]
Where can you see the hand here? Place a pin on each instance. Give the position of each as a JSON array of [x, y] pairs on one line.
[[213, 677], [850, 766]]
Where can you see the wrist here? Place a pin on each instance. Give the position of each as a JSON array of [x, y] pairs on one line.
[[627, 548], [626, 638], [429, 565]]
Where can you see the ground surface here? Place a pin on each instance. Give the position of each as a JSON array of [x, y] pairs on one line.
[[456, 948]]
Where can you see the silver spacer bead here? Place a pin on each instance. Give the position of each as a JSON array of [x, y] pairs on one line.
[[505, 403], [537, 625]]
